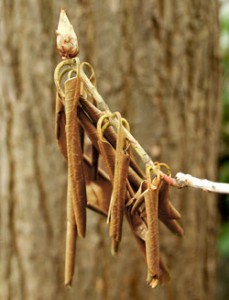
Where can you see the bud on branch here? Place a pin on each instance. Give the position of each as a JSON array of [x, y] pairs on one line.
[[67, 43]]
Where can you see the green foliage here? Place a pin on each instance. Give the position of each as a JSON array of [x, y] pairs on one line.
[[224, 239]]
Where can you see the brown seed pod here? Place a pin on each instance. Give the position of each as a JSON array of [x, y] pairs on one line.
[[122, 160], [75, 158], [60, 122], [71, 231], [88, 127], [105, 148], [99, 191], [152, 235], [173, 226], [165, 208], [110, 135], [139, 230], [71, 235]]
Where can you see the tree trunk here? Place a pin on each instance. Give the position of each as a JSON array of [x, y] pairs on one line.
[[157, 62]]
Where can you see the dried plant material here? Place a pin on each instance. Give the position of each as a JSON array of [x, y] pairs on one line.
[[130, 189], [67, 43], [92, 73], [165, 208], [99, 190], [173, 226], [152, 235], [143, 201], [95, 161], [108, 155], [71, 234], [75, 158], [167, 213], [164, 275], [95, 114], [139, 230], [138, 226], [81, 134], [138, 198], [60, 122], [88, 127], [122, 160], [106, 150]]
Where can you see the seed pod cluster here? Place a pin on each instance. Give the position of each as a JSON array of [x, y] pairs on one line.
[[110, 181]]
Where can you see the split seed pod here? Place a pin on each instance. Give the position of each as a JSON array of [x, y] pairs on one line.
[[105, 148], [122, 160], [152, 235], [76, 178], [71, 235], [167, 213], [60, 122], [166, 209], [71, 231], [94, 150]]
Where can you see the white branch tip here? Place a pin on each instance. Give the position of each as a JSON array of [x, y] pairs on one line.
[[204, 184]]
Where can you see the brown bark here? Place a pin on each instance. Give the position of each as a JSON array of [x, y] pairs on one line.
[[157, 62]]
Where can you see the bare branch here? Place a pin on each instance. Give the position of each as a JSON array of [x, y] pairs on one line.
[[184, 180]]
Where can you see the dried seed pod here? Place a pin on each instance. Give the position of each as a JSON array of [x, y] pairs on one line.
[[99, 191], [152, 235], [81, 134], [164, 275], [95, 161], [74, 152], [138, 226], [94, 113], [139, 196], [105, 148], [166, 212], [130, 189], [88, 127], [60, 122], [107, 153], [122, 161], [71, 235], [165, 208], [139, 230], [173, 226]]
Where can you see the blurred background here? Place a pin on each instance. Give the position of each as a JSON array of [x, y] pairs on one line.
[[223, 273], [164, 65]]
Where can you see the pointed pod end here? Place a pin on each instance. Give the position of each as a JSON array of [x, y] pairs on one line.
[[81, 233], [114, 247], [152, 281], [68, 283], [67, 43]]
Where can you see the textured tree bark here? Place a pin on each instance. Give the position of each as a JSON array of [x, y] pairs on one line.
[[157, 62]]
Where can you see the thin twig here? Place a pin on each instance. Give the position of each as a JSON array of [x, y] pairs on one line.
[[184, 180]]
